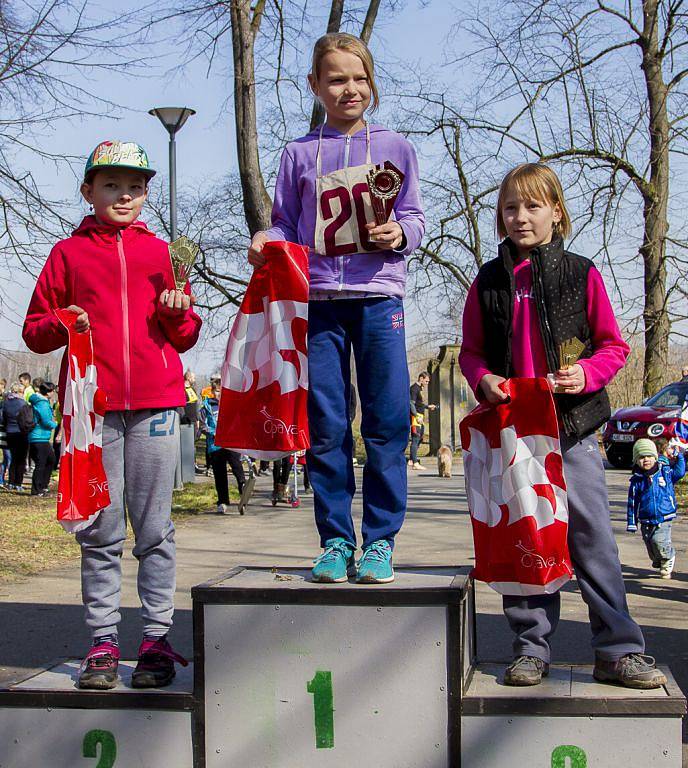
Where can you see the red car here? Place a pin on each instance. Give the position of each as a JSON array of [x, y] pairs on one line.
[[656, 417]]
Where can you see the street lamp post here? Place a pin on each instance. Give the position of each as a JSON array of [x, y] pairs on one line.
[[173, 118]]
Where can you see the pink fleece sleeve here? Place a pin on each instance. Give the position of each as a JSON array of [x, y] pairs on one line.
[[609, 349], [472, 356]]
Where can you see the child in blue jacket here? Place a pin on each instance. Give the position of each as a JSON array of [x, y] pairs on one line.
[[652, 499], [40, 446]]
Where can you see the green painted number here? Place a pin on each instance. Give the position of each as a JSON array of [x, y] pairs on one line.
[[323, 706], [576, 757], [108, 747]]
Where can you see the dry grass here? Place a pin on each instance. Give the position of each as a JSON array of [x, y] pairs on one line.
[[31, 540]]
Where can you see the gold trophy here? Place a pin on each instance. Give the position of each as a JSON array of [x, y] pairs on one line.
[[183, 254], [384, 185], [570, 351]]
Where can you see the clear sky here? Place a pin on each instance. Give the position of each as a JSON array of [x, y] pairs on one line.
[[206, 147]]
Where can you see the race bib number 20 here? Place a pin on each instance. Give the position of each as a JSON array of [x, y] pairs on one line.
[[343, 213]]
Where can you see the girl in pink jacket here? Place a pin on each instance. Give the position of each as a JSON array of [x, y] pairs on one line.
[[521, 307], [116, 276]]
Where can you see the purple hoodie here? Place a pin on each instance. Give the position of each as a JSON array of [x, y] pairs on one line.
[[294, 209]]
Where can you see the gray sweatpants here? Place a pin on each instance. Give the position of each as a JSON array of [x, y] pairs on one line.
[[139, 456], [595, 559]]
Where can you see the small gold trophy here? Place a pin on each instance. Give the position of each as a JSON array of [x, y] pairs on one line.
[[384, 185], [183, 254], [569, 352]]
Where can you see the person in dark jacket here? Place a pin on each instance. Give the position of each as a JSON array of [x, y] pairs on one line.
[[40, 437], [17, 441], [418, 409], [652, 499], [219, 457]]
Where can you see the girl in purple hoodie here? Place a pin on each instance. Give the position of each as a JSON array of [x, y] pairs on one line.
[[358, 280]]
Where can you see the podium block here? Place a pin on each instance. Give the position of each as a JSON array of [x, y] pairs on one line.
[[569, 721], [293, 674], [47, 720]]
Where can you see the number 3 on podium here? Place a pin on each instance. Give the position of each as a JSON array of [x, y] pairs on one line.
[[323, 708]]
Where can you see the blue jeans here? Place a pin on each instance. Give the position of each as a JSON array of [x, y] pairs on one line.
[[416, 440], [657, 539], [373, 328], [5, 461]]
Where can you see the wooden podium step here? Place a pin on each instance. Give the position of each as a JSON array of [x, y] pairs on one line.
[[46, 720], [569, 721]]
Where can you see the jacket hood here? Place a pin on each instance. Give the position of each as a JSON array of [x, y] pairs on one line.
[[90, 227], [36, 397]]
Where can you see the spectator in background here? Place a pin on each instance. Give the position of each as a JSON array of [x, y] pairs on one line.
[[40, 447], [4, 450], [57, 438], [17, 439], [25, 381], [418, 409], [219, 457], [684, 373], [192, 405]]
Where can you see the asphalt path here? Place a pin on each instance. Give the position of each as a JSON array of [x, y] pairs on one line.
[[41, 617]]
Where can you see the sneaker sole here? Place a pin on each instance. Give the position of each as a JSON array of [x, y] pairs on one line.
[[643, 685], [97, 684], [374, 580], [146, 681]]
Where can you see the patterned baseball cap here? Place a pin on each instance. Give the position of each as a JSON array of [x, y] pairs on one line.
[[119, 154]]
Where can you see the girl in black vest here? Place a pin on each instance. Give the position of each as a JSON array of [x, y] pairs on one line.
[[520, 308]]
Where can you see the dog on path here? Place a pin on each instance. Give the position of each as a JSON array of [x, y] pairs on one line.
[[444, 461]]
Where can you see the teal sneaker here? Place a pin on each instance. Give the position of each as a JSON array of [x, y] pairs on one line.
[[375, 566], [335, 563]]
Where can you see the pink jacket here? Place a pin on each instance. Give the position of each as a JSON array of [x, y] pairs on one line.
[[610, 350], [116, 275]]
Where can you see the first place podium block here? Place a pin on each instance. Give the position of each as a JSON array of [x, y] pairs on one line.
[[294, 674]]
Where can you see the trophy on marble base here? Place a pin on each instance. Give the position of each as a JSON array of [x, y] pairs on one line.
[[384, 185], [183, 254]]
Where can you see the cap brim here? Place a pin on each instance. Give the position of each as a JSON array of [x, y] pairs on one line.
[[147, 172]]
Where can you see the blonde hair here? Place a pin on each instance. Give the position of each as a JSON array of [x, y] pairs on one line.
[[342, 41], [534, 181]]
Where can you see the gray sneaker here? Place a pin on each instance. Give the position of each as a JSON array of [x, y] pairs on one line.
[[526, 670], [634, 670]]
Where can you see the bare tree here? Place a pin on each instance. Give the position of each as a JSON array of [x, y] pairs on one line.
[[598, 89], [265, 49], [215, 221], [47, 50]]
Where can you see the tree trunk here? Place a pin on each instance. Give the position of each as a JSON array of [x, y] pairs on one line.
[[653, 250], [369, 22], [333, 25], [257, 203]]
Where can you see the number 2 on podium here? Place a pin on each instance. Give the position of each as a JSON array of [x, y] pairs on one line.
[[576, 757], [108, 747], [323, 708]]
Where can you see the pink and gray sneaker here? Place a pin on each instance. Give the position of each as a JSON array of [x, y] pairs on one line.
[[99, 669], [155, 667]]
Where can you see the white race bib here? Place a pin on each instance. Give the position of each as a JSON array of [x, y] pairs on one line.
[[343, 208]]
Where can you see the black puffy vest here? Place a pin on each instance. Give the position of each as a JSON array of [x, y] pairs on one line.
[[560, 283]]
